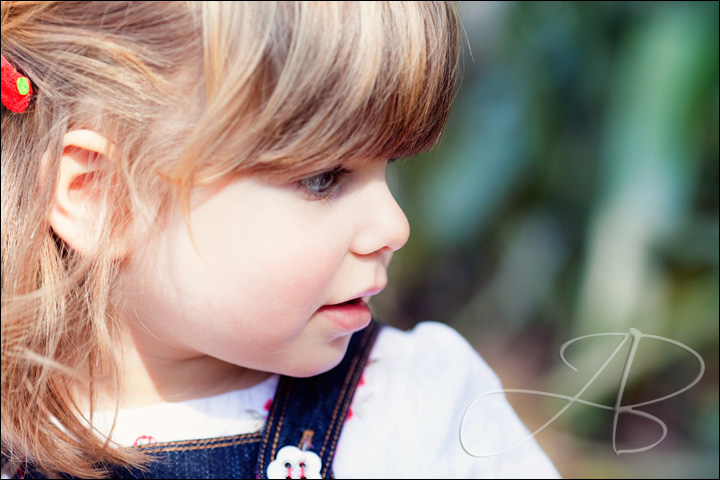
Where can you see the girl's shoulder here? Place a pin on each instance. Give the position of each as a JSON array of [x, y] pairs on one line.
[[431, 350], [406, 414], [433, 360]]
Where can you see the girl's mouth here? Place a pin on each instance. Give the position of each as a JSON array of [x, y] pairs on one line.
[[350, 316], [349, 302]]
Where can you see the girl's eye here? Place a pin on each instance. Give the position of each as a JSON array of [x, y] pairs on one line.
[[323, 184]]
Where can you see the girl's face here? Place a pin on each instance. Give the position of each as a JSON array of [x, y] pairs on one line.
[[251, 282]]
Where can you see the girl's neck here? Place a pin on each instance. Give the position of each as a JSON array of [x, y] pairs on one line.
[[148, 379], [145, 383]]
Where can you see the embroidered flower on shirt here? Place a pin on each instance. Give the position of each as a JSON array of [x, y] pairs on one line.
[[362, 396], [259, 416], [350, 410], [144, 440]]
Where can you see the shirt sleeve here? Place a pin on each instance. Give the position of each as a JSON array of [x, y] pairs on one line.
[[406, 414]]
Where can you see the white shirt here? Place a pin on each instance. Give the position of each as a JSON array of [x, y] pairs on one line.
[[404, 420]]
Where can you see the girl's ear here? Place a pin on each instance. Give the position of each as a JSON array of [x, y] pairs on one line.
[[76, 202]]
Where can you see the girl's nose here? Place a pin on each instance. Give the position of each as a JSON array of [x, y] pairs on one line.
[[383, 225]]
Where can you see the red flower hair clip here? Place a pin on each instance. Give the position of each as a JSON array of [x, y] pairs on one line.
[[16, 88]]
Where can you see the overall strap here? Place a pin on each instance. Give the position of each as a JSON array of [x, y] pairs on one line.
[[309, 412]]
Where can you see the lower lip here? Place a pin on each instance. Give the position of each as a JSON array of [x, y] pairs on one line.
[[351, 317]]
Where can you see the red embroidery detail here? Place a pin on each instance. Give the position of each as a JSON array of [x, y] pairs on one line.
[[144, 440], [268, 404], [350, 412]]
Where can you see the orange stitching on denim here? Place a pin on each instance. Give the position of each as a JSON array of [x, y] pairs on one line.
[[269, 420], [340, 399], [203, 447], [229, 438], [348, 378], [344, 399], [268, 423], [279, 425], [337, 405], [365, 348], [346, 404]]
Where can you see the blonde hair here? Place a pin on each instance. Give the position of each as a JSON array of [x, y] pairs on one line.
[[188, 93]]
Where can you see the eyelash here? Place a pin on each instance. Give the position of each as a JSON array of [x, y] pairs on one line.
[[322, 186]]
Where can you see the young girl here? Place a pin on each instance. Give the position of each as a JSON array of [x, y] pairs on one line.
[[194, 215]]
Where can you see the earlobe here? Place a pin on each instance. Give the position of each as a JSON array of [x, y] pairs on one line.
[[76, 198]]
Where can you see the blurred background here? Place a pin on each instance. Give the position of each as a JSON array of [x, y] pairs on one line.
[[575, 192]]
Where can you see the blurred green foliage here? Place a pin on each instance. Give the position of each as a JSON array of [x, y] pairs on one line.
[[576, 192]]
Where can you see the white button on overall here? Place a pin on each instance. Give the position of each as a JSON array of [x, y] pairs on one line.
[[291, 462]]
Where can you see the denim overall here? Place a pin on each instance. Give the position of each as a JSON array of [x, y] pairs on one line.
[[307, 412]]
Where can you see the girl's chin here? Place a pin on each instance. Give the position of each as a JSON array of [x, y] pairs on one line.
[[320, 361]]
